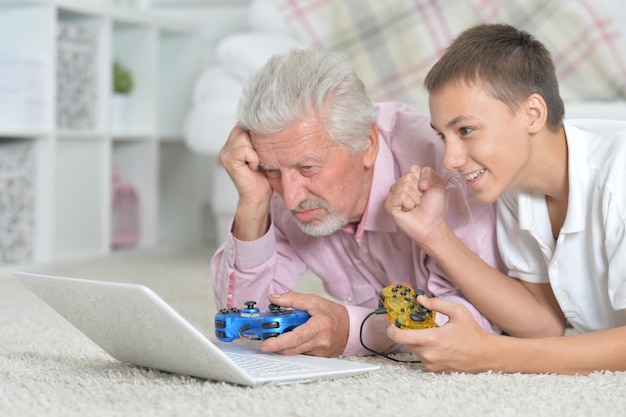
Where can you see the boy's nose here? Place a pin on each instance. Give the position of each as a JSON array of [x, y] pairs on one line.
[[454, 156]]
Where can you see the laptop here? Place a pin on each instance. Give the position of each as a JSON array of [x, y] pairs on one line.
[[134, 325]]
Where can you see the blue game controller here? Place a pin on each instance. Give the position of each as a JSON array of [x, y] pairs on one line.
[[253, 324]]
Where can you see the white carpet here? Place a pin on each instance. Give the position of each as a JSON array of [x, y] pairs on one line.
[[47, 368]]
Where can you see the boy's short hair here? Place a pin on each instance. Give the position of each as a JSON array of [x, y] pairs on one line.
[[510, 64]]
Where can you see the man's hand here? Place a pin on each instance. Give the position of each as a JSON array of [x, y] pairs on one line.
[[242, 165], [241, 162], [417, 203], [324, 334]]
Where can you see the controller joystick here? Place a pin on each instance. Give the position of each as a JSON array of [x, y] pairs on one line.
[[251, 323], [403, 310], [274, 309]]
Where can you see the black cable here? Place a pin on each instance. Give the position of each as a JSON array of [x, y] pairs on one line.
[[382, 310]]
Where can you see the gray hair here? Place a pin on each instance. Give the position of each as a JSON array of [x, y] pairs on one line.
[[305, 83]]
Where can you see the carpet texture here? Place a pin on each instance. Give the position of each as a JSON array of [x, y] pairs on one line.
[[48, 368]]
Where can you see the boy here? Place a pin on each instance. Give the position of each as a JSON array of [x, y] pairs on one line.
[[561, 202]]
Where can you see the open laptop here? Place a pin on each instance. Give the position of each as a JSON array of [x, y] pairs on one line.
[[133, 324]]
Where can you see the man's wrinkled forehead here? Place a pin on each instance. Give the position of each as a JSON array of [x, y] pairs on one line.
[[292, 149]]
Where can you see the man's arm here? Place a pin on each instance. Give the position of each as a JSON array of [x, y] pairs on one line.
[[244, 271]]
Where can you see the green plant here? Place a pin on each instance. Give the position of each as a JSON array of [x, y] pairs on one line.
[[122, 79]]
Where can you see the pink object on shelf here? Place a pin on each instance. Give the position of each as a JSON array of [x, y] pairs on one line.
[[125, 218]]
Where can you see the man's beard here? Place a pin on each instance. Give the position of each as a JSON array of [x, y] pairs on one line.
[[327, 227]]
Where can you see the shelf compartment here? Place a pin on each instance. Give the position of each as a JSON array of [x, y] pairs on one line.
[[136, 163], [26, 81], [80, 85], [81, 215], [183, 186], [179, 67], [134, 46], [17, 201]]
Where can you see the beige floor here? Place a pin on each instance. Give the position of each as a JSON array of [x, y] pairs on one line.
[[48, 368]]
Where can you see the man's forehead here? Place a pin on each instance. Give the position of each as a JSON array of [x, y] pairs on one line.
[[316, 156]]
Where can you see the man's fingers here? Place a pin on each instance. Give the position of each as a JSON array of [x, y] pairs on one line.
[[290, 343], [295, 300]]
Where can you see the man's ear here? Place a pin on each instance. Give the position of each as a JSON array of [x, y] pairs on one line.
[[371, 152], [536, 112]]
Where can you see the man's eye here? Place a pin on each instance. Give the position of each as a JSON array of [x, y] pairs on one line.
[[465, 130], [440, 136], [271, 172], [308, 170]]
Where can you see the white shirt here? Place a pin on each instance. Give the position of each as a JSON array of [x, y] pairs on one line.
[[586, 266]]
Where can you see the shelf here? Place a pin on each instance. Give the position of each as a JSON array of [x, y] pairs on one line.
[[131, 136], [68, 48], [81, 136], [22, 133]]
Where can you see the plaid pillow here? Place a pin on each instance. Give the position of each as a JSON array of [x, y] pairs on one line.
[[394, 43]]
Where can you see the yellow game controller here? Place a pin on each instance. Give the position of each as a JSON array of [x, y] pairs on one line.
[[403, 310]]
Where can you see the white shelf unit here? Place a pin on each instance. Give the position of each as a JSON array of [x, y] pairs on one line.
[[74, 166]]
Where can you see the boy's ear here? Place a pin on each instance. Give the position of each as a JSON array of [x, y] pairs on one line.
[[536, 112]]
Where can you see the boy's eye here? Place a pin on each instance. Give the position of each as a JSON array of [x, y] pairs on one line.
[[440, 136], [465, 130]]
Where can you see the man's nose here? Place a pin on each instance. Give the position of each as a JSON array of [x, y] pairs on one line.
[[294, 191]]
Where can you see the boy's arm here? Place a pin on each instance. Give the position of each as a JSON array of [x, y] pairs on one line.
[[520, 308], [417, 203]]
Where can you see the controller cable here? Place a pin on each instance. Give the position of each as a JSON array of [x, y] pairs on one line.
[[378, 311]]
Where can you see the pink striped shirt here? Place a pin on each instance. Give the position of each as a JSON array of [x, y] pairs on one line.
[[355, 265]]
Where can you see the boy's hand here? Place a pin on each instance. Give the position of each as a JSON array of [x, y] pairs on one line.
[[417, 203], [457, 346]]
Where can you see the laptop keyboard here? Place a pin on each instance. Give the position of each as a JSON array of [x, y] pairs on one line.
[[260, 366]]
